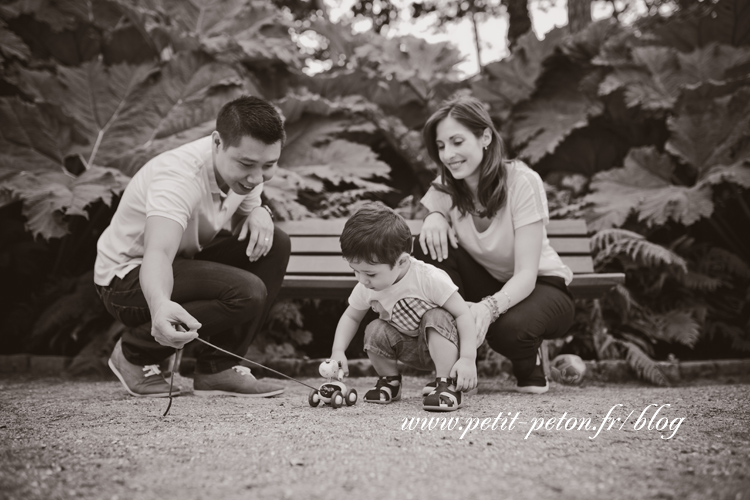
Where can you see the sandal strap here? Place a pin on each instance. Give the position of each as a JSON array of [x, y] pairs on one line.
[[443, 395], [385, 381]]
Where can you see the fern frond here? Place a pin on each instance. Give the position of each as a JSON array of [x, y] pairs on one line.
[[723, 262], [645, 367], [641, 342], [699, 281], [677, 327], [615, 243], [605, 237]]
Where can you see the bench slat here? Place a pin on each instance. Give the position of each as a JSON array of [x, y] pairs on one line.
[[584, 286], [311, 245], [336, 265], [333, 227]]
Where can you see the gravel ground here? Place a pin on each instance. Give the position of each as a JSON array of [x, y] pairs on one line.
[[88, 439]]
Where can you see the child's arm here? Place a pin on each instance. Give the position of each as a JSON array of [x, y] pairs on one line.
[[345, 331], [465, 369]]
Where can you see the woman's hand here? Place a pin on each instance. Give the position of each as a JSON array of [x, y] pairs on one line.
[[482, 319], [434, 237]]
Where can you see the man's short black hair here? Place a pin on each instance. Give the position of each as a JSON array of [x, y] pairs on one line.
[[249, 115], [376, 235]]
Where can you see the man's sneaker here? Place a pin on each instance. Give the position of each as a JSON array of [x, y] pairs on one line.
[[236, 381], [536, 383], [139, 381]]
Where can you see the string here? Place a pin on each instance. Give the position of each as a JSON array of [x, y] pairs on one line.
[[174, 368]]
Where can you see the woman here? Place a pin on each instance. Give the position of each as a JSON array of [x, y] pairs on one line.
[[486, 229]]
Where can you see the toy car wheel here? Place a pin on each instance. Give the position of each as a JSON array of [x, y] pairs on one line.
[[314, 399], [350, 397], [337, 399]]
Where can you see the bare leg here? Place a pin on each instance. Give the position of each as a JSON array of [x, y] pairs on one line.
[[384, 366], [443, 352]]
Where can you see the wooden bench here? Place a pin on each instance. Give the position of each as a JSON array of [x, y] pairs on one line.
[[316, 268]]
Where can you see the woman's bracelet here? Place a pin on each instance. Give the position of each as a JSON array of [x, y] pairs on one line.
[[435, 212], [507, 306], [491, 301], [266, 208], [495, 307]]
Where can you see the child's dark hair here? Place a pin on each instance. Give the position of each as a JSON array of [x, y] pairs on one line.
[[249, 115], [376, 235]]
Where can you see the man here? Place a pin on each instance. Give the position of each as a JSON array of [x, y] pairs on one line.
[[167, 268]]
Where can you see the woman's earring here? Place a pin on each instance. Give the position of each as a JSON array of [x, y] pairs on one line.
[[485, 148]]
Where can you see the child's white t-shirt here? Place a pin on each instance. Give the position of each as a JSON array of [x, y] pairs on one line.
[[403, 304], [494, 248], [180, 185]]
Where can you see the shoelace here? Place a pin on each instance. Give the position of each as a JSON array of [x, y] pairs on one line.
[[151, 370], [243, 370]]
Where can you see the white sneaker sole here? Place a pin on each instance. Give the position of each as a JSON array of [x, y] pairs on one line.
[[175, 391], [533, 389], [205, 394]]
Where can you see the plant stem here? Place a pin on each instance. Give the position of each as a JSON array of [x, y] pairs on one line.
[[728, 240], [741, 201]]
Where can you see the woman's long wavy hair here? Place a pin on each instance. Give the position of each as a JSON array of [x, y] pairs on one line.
[[492, 192]]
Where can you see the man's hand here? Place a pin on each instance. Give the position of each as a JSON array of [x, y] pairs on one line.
[[258, 229], [434, 237], [164, 325], [482, 319], [340, 356], [464, 371]]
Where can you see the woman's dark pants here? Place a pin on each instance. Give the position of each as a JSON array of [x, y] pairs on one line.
[[545, 314]]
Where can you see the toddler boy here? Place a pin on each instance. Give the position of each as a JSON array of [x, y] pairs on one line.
[[423, 321]]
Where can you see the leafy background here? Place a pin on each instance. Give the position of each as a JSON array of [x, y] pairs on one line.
[[643, 128]]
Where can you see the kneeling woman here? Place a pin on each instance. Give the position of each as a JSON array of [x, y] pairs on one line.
[[486, 229]]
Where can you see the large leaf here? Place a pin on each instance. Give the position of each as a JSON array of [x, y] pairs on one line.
[[32, 138], [409, 59], [122, 110], [11, 45], [93, 96], [707, 131], [340, 162], [657, 75], [231, 30], [50, 196], [560, 108], [513, 79], [66, 14], [644, 186], [723, 21]]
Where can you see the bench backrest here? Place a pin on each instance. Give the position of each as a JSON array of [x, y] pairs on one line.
[[317, 269]]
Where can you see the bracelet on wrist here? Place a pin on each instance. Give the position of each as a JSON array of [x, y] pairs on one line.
[[266, 208], [507, 305], [435, 212], [491, 302]]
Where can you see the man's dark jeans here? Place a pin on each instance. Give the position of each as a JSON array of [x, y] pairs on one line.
[[545, 314], [220, 288]]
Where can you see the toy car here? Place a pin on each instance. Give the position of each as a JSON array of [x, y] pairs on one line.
[[332, 392]]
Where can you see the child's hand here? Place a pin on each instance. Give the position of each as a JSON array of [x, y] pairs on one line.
[[465, 373], [341, 358]]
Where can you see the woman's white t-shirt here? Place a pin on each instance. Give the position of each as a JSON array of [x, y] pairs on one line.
[[494, 248]]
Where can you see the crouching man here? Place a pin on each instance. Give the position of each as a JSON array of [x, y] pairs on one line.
[[168, 269]]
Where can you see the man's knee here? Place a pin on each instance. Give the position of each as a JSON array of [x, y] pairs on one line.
[[245, 297]]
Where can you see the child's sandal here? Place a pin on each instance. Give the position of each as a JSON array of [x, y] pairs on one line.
[[385, 391], [444, 397]]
